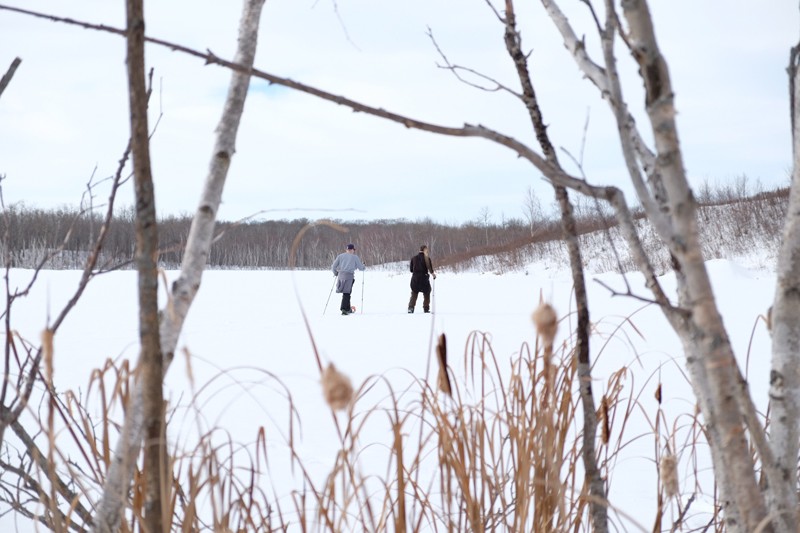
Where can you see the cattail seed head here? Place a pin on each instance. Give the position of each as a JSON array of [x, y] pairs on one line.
[[441, 356], [336, 388], [546, 322], [605, 424], [47, 353], [768, 319], [669, 474]]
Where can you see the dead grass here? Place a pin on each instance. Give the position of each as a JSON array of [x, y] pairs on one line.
[[492, 443], [734, 221]]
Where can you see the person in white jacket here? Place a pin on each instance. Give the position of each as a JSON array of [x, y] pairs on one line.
[[344, 267]]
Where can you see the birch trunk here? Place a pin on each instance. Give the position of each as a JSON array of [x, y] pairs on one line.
[[112, 505], [668, 202], [709, 354], [149, 369], [785, 327]]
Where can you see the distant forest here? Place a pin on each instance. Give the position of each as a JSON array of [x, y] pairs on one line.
[[64, 238]]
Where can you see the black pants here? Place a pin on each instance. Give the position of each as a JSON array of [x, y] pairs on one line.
[[426, 300], [345, 302]]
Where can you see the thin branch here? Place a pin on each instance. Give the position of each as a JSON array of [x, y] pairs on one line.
[[40, 458], [9, 415], [6, 79], [457, 69]]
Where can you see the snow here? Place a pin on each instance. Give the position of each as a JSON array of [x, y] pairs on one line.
[[245, 351]]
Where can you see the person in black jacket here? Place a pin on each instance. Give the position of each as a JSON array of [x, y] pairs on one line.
[[421, 265]]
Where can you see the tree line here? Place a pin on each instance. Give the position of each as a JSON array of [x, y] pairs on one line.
[[62, 238]]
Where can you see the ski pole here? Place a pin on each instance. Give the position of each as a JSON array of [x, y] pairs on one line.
[[329, 296], [363, 275], [433, 294]]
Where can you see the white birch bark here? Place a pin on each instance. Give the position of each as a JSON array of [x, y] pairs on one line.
[[607, 82], [709, 353], [670, 208], [785, 327], [111, 507]]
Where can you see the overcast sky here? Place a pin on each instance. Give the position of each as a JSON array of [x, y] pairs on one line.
[[63, 118]]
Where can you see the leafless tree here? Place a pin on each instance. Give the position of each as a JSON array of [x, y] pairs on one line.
[[143, 415], [484, 218], [532, 209], [668, 202]]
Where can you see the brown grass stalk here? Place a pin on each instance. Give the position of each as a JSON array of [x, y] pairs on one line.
[[499, 451]]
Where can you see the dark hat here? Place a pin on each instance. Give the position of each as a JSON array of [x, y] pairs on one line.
[[351, 246]]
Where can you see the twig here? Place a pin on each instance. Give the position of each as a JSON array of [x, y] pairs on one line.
[[6, 79]]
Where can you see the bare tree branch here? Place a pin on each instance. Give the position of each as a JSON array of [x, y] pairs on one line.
[[10, 413], [457, 70], [40, 457], [607, 82], [467, 130], [6, 79]]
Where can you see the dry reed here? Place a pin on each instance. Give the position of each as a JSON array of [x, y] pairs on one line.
[[493, 447]]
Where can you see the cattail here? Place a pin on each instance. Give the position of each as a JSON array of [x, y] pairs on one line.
[[441, 355], [658, 394], [47, 353], [546, 322], [336, 387], [605, 424], [669, 474]]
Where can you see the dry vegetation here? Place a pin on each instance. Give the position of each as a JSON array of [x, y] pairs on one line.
[[492, 443], [732, 227], [736, 219]]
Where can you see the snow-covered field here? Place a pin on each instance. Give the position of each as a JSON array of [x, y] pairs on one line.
[[245, 350]]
